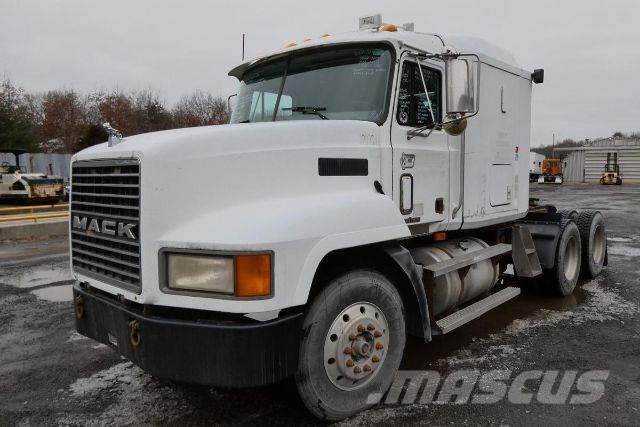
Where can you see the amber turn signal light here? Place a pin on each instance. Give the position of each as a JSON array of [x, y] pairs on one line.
[[253, 275]]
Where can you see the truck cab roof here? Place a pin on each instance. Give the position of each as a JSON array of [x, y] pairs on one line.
[[432, 43]]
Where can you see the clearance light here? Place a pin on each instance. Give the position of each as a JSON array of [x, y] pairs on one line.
[[306, 40], [325, 35], [253, 275], [290, 45], [389, 27]]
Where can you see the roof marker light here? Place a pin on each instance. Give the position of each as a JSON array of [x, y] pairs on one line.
[[372, 22], [291, 44], [325, 35], [389, 27]]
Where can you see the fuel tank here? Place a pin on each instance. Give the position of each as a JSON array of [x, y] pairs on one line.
[[448, 291]]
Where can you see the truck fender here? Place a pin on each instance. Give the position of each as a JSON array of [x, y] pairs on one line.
[[545, 238], [413, 273]]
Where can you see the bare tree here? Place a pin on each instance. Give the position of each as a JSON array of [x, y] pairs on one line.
[[200, 109]]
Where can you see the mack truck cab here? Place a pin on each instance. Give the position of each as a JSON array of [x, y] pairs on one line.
[[370, 186]]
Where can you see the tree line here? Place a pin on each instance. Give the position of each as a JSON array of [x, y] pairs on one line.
[[66, 121]]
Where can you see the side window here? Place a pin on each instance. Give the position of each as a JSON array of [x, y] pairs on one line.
[[413, 108]]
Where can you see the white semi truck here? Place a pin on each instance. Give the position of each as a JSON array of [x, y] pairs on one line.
[[370, 185], [535, 166]]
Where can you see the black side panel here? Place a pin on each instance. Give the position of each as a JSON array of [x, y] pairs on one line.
[[343, 167]]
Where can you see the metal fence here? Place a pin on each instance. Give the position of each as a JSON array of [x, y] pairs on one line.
[[49, 164]]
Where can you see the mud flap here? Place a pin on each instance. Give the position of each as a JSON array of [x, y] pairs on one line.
[[413, 274]]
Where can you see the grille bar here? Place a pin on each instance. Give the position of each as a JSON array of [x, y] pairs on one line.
[[123, 196], [105, 211], [126, 242], [104, 248]]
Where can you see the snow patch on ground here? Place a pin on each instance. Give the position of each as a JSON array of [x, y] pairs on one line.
[[74, 336], [137, 398], [623, 250], [620, 239]]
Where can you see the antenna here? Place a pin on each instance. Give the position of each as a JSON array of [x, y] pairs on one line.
[[243, 46]]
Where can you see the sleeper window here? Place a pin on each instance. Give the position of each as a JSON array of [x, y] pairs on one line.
[[413, 108]]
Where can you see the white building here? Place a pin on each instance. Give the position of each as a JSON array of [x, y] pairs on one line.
[[586, 163]]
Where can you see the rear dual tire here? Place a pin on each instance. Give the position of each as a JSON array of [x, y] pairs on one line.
[[594, 242], [566, 270]]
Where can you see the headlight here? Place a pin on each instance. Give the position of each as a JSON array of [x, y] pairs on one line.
[[200, 273], [239, 275]]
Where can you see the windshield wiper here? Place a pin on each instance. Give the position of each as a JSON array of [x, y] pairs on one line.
[[309, 110]]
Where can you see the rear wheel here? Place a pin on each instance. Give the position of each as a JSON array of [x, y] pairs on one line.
[[353, 340], [594, 242], [566, 271]]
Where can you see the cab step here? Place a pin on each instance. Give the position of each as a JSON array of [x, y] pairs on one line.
[[475, 310], [460, 262]]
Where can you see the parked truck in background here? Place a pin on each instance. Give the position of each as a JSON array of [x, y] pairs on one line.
[[551, 172], [535, 166], [17, 186], [370, 185]]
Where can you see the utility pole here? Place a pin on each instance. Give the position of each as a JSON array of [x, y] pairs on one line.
[[553, 147]]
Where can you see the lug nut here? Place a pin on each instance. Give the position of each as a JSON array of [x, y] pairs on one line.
[[366, 368], [379, 346], [349, 363], [352, 337], [360, 328], [370, 327], [375, 359], [357, 370], [347, 350], [377, 334]]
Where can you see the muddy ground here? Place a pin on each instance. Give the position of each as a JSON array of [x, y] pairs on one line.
[[51, 375]]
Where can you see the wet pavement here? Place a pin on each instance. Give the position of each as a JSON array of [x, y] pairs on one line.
[[51, 375]]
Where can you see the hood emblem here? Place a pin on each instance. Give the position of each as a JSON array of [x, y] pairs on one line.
[[114, 134]]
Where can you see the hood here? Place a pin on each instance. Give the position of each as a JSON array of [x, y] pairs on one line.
[[230, 171]]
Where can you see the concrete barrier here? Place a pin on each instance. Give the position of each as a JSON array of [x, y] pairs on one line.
[[40, 230]]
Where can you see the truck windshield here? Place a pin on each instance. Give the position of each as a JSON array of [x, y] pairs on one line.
[[347, 83]]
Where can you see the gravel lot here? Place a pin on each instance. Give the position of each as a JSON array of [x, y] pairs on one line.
[[51, 375]]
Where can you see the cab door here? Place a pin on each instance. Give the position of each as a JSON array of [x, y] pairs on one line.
[[420, 163]]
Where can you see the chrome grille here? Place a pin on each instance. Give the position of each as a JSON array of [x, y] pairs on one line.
[[106, 190]]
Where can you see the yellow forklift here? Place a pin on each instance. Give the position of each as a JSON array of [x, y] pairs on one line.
[[611, 174]]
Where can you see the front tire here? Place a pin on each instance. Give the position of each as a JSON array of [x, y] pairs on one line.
[[353, 341]]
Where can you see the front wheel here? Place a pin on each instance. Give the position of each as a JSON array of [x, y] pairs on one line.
[[353, 341]]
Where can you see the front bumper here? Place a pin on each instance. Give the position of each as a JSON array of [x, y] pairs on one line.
[[218, 353]]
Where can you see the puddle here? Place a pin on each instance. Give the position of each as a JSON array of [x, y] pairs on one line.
[[55, 293], [38, 276], [517, 316]]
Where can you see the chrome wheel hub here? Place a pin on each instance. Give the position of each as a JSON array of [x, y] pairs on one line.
[[356, 345]]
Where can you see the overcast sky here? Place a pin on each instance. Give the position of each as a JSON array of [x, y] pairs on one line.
[[588, 48]]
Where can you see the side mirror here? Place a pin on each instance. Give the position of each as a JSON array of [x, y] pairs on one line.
[[462, 85]]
